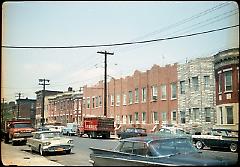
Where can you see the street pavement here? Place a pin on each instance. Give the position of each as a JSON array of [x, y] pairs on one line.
[[12, 156]]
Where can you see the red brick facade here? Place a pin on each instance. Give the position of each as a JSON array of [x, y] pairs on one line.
[[136, 112]]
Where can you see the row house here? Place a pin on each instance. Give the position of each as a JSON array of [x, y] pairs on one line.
[[196, 95], [226, 65], [64, 107], [145, 99], [39, 102]]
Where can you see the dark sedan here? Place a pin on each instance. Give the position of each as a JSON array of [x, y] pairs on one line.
[[217, 138], [154, 151], [132, 132]]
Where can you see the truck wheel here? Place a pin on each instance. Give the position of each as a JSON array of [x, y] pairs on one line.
[[6, 138], [42, 153], [199, 145], [233, 147]]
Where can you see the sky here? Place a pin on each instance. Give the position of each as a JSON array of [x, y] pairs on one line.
[[75, 23]]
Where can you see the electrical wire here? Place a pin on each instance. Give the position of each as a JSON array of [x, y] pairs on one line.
[[117, 44]]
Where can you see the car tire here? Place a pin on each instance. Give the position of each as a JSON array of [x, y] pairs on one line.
[[199, 145], [42, 153], [233, 147], [68, 151]]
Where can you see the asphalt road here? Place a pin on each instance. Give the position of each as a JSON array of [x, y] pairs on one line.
[[80, 153]]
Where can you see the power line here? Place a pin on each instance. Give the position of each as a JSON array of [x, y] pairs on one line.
[[117, 44]]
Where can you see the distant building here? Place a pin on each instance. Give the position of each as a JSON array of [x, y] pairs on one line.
[[226, 65], [196, 95], [39, 105], [27, 109]]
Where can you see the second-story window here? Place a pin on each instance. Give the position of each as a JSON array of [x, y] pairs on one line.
[[182, 87], [124, 99], [164, 92], [100, 101], [88, 102], [136, 116], [195, 83], [93, 102], [173, 90], [220, 83], [228, 81], [96, 101], [144, 94], [112, 100], [206, 81], [154, 92], [118, 100], [144, 117], [136, 95], [130, 100]]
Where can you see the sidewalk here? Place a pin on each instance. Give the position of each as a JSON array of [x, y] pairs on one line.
[[13, 156]]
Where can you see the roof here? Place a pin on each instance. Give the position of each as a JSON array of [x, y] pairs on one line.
[[148, 139]]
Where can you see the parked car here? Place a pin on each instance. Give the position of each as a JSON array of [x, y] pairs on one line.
[[217, 138], [132, 132], [154, 151], [42, 128], [70, 129], [49, 141], [55, 128]]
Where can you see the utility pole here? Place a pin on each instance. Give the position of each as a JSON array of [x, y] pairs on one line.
[[19, 96], [43, 96], [105, 80]]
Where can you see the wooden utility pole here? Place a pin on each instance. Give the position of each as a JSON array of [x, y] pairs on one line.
[[43, 96], [105, 80], [19, 96]]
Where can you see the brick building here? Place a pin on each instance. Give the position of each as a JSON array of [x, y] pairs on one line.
[[145, 99], [226, 65], [196, 95], [39, 105], [27, 109]]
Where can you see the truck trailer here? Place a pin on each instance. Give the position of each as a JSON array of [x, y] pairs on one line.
[[97, 127]]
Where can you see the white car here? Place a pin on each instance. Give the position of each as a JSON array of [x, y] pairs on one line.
[[55, 128], [49, 141]]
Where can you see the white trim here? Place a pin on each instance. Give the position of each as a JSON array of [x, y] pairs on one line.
[[219, 72], [227, 69]]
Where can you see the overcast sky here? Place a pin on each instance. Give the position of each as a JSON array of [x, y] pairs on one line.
[[89, 23]]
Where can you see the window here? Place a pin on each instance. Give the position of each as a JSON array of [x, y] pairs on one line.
[[182, 87], [195, 83], [155, 117], [112, 100], [140, 148], [96, 101], [174, 116], [182, 115], [124, 119], [127, 147], [130, 118], [164, 92], [93, 102], [229, 115], [196, 114], [228, 80], [219, 84], [136, 116], [206, 81], [208, 114], [130, 100], [154, 93], [221, 115], [88, 102], [173, 90], [100, 101], [124, 99], [136, 95], [164, 116], [144, 94], [118, 100], [144, 116]]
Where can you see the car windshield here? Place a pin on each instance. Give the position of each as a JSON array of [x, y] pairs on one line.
[[50, 135], [171, 147], [22, 125]]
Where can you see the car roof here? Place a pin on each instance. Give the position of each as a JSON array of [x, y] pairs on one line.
[[148, 139], [46, 131]]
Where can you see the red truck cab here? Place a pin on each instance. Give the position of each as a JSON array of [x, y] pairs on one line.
[[18, 131]]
